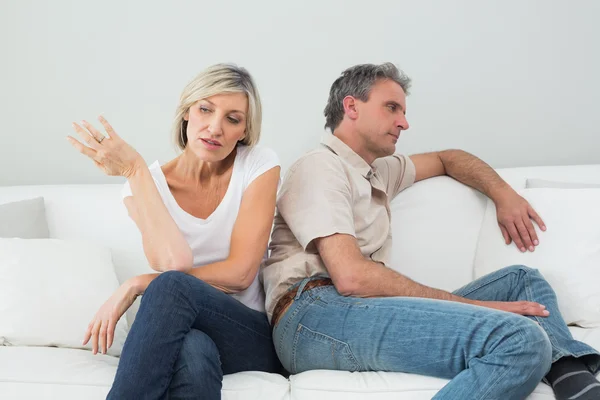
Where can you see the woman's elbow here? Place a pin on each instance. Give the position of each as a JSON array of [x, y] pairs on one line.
[[243, 280], [180, 263]]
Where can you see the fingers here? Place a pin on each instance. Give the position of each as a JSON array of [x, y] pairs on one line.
[[86, 136], [110, 333], [95, 333], [95, 133], [505, 234], [531, 230], [516, 237], [526, 239], [109, 129], [91, 153], [102, 337], [529, 308], [88, 333], [538, 220]]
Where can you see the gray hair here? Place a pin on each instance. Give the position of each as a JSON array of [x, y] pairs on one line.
[[357, 81], [219, 79]]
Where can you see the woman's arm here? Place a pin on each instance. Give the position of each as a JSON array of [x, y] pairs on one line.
[[249, 241], [249, 238], [164, 245]]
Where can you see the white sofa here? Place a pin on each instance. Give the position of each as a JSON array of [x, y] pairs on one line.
[[436, 225]]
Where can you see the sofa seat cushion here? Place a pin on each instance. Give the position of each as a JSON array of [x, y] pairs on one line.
[[59, 373], [338, 385]]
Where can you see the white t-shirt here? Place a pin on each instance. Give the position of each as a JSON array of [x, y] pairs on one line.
[[210, 238]]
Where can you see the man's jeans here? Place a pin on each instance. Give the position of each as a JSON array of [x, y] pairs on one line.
[[488, 354], [186, 335]]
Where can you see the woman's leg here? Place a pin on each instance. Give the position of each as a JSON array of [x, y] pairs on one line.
[[198, 373], [173, 304]]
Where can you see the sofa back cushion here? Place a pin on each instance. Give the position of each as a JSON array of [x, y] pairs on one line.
[[435, 226]]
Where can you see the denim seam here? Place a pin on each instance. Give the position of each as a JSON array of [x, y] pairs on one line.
[[522, 345], [501, 376], [197, 310], [289, 320], [353, 359], [486, 282], [224, 316], [357, 366], [173, 362], [540, 321]]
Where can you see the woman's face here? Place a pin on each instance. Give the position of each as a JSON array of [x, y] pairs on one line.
[[216, 124]]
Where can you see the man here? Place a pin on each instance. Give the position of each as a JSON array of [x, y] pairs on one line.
[[336, 303]]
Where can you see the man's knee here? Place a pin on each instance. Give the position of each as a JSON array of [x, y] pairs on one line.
[[536, 349], [521, 269]]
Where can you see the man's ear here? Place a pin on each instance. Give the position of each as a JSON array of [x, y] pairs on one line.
[[350, 109]]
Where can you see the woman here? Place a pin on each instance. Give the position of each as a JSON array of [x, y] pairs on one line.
[[205, 219]]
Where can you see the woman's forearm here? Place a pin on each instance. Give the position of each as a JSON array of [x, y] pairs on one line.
[[164, 244]]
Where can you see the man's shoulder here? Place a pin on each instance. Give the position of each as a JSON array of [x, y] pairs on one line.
[[319, 159]]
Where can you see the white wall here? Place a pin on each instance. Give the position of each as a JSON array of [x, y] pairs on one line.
[[515, 82]]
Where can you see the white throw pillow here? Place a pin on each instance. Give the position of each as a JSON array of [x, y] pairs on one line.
[[568, 255], [543, 183], [50, 290]]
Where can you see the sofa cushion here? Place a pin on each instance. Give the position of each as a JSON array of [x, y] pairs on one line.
[[24, 219], [50, 290], [340, 385], [55, 373], [435, 226], [544, 183], [568, 255]]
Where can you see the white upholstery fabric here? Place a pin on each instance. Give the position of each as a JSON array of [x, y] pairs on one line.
[[53, 373], [435, 226]]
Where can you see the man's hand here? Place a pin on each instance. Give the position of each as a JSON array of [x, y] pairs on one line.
[[526, 308], [514, 217]]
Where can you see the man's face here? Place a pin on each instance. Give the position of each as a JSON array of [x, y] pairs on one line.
[[382, 118]]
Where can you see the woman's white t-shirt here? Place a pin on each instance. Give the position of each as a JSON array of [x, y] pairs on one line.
[[210, 238]]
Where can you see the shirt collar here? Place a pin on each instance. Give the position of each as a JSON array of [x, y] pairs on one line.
[[345, 152]]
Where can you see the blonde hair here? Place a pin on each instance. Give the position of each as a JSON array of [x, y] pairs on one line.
[[219, 79]]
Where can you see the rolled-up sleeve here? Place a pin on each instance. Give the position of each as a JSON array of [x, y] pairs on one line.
[[398, 173]]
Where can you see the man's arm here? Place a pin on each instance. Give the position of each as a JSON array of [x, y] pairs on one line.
[[354, 275], [514, 212]]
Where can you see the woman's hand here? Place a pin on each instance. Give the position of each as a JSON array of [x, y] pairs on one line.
[[102, 328], [109, 152]]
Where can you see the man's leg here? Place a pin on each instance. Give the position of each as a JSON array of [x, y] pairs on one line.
[[488, 354], [574, 363]]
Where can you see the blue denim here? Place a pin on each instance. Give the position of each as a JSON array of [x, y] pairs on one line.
[[185, 337], [487, 354]]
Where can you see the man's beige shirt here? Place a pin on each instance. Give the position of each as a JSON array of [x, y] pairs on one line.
[[327, 191]]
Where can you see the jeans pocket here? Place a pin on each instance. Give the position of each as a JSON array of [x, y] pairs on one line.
[[313, 350]]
